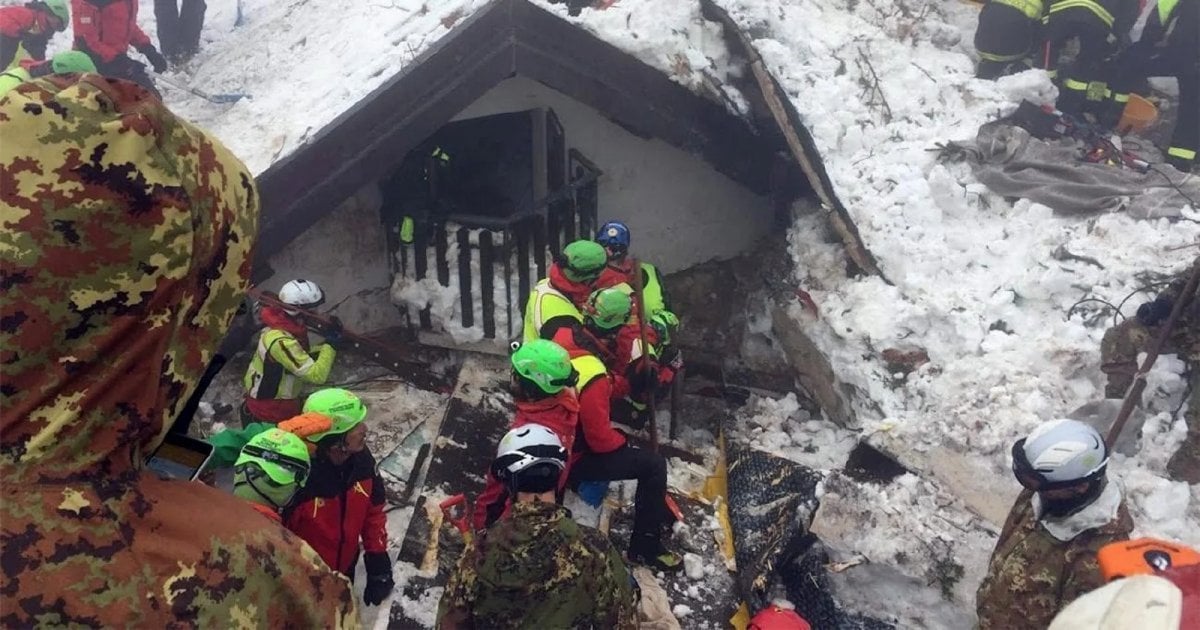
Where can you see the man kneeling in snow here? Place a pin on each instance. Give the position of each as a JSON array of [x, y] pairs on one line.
[[1046, 554]]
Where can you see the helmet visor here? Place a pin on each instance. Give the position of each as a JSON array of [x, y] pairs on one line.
[[284, 469], [1033, 479]]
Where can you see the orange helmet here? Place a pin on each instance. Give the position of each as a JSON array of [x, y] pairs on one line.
[[1144, 556]]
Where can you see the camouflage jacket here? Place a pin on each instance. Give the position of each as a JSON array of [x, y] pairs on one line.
[[126, 247], [538, 569], [1033, 573]]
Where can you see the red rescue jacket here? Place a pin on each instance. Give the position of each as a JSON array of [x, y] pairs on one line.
[[107, 28], [560, 414], [338, 507], [19, 22]]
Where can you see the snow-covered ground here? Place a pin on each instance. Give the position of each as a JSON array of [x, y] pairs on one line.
[[976, 282]]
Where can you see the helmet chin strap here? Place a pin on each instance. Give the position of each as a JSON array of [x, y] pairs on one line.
[[262, 494]]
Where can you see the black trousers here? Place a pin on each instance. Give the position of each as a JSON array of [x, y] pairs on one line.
[[1005, 39], [179, 26], [1097, 46], [650, 511], [1141, 61]]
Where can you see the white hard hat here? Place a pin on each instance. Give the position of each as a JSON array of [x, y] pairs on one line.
[[301, 293], [528, 446], [1065, 450]]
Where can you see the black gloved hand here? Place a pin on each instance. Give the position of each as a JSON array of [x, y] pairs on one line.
[[379, 578], [1156, 312], [333, 333], [644, 379], [157, 61]]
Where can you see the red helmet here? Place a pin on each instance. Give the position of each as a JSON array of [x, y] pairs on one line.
[[776, 617]]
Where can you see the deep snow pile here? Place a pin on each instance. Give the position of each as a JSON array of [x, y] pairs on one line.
[[303, 62]]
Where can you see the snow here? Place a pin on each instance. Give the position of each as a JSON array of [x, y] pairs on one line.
[[975, 281], [780, 426]]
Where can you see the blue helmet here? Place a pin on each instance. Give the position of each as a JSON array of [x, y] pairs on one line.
[[614, 236]]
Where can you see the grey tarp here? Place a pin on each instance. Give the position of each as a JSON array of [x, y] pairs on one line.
[[1012, 163]]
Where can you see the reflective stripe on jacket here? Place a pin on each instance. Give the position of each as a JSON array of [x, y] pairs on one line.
[[279, 364], [546, 303]]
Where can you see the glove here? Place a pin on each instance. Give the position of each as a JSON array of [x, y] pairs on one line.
[[379, 578], [333, 334], [1154, 313], [644, 379], [157, 61]]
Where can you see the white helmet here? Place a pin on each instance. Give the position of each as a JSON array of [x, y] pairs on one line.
[[1061, 451], [526, 448], [303, 293]]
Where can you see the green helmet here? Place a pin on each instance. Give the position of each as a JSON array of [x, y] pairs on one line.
[[545, 364], [582, 261], [340, 405], [608, 308], [664, 322], [59, 9], [279, 454], [70, 61]]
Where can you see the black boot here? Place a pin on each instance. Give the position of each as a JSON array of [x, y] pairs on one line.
[[648, 549]]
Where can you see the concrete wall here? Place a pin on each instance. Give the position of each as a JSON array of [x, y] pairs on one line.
[[346, 254], [681, 211]]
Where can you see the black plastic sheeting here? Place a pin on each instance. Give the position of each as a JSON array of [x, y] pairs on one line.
[[771, 502]]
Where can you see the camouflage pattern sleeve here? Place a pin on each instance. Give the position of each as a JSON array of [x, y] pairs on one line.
[[126, 249], [455, 607], [616, 600]]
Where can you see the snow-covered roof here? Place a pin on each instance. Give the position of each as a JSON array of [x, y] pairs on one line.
[[366, 141]]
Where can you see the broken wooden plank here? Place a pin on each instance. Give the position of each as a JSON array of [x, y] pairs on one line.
[[800, 143]]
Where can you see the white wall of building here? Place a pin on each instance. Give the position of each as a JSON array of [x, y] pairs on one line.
[[346, 254], [681, 211]]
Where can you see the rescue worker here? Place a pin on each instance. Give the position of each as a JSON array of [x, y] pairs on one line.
[[342, 504], [552, 311], [1046, 554], [179, 24], [614, 236], [1101, 27], [636, 375], [1118, 360], [65, 62], [103, 341], [542, 379], [541, 382], [1169, 47], [282, 359], [105, 29], [26, 30], [1007, 37], [537, 568], [270, 470]]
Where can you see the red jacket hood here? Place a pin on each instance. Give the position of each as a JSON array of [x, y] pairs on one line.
[[559, 414], [274, 317], [577, 292]]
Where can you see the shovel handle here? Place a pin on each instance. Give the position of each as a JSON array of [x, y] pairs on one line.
[[448, 507]]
